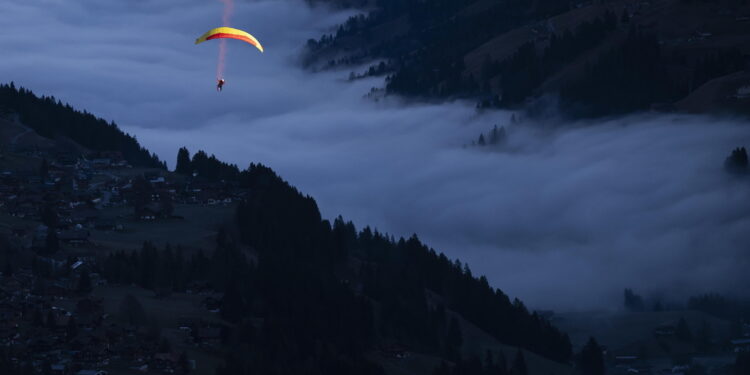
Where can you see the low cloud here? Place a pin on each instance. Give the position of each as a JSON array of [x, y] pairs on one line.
[[566, 215]]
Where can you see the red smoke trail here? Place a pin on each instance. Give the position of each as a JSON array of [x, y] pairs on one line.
[[228, 10]]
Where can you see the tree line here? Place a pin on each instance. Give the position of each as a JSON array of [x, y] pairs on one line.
[[51, 118], [327, 293]]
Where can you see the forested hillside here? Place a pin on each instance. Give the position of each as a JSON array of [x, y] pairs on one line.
[[316, 297], [51, 118], [504, 53]]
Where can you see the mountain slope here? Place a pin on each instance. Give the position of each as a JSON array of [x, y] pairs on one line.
[[52, 119], [504, 53]]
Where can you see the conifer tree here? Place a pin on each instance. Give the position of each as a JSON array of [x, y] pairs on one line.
[[519, 364], [591, 359], [183, 162]]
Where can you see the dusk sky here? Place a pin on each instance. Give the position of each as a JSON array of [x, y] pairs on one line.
[[565, 211]]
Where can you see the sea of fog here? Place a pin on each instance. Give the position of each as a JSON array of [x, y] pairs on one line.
[[565, 216]]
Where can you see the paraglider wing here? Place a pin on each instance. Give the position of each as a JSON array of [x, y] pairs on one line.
[[232, 33]]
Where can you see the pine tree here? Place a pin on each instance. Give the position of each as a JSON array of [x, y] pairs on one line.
[[591, 359], [683, 330], [183, 364], [501, 364], [633, 302], [481, 141], [183, 162], [519, 364], [454, 339], [625, 18], [494, 137], [737, 162], [131, 311], [742, 363]]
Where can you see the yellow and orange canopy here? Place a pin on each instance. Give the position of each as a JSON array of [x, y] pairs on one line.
[[232, 33]]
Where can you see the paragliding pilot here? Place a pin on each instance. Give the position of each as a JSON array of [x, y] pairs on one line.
[[220, 85]]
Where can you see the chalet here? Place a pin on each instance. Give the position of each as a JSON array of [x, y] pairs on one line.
[[207, 335], [59, 369], [665, 330], [395, 351], [84, 215], [106, 225], [66, 160], [212, 304], [626, 359], [165, 361], [74, 237], [152, 211], [101, 163]]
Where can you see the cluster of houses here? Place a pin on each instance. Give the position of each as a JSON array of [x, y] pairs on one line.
[[50, 325], [679, 357], [59, 332], [46, 320], [80, 193]]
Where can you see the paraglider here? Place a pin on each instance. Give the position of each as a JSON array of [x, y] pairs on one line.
[[224, 33], [229, 33]]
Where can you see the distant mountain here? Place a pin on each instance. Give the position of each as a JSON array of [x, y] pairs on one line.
[[52, 119], [601, 57]]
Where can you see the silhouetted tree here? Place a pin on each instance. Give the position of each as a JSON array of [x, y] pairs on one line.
[[519, 364], [132, 312], [737, 161], [183, 162], [704, 336], [454, 339], [682, 330], [633, 302], [742, 363], [591, 359], [183, 363]]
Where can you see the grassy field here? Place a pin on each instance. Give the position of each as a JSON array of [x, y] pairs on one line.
[[166, 312], [477, 343], [195, 230]]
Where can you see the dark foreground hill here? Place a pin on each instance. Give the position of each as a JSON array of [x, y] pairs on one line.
[[601, 57], [283, 290], [304, 295]]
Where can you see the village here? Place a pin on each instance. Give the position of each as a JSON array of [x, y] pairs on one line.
[[61, 212]]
